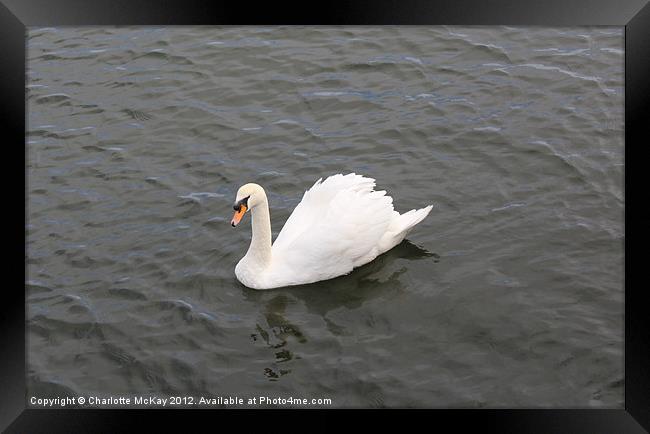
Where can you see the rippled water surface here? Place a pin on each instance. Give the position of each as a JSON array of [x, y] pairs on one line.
[[509, 294]]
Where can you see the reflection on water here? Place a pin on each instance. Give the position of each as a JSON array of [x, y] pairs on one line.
[[379, 278]]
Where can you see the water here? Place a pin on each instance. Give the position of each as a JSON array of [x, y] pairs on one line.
[[510, 294]]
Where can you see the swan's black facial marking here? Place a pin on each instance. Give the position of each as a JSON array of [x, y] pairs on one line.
[[244, 201]]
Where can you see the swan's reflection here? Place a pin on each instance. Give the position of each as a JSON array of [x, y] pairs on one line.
[[379, 278], [278, 331]]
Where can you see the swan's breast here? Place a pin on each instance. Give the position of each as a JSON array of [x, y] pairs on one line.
[[249, 275]]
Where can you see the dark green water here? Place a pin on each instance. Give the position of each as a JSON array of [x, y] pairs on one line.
[[510, 294]]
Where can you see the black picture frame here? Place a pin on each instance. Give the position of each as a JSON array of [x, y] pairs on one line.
[[634, 15]]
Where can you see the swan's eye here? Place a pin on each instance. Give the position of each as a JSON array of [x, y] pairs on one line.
[[244, 202]]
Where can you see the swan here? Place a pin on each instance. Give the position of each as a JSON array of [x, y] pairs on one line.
[[340, 224]]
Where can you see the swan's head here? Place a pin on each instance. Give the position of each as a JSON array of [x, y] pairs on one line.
[[248, 196]]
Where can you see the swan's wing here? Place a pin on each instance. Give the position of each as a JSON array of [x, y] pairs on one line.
[[332, 238], [315, 202]]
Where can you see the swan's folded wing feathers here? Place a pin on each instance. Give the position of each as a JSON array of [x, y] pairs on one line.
[[315, 203], [344, 235], [356, 221]]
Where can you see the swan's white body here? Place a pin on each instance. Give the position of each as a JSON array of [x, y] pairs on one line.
[[340, 224]]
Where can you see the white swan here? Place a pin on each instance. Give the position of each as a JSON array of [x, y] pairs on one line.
[[340, 224]]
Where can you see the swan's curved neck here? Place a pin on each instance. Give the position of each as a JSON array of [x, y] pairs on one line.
[[259, 252]]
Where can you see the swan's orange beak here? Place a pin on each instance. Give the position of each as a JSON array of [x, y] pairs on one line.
[[239, 213]]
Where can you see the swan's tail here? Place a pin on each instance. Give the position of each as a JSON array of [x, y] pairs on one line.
[[406, 221], [401, 226]]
